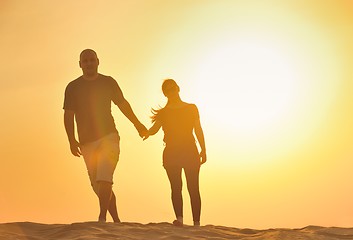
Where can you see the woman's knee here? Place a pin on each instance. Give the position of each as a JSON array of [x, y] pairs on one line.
[[174, 176], [192, 179], [194, 190], [176, 186]]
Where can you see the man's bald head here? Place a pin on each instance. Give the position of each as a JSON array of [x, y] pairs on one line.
[[87, 52], [89, 63]]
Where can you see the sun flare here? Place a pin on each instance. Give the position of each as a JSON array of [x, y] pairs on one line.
[[262, 78], [252, 83], [264, 91]]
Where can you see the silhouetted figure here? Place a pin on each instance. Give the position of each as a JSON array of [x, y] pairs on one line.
[[88, 101], [178, 120]]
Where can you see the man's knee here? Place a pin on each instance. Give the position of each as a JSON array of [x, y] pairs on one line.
[[101, 185], [104, 184]]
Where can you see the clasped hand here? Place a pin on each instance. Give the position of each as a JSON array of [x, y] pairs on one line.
[[142, 130]]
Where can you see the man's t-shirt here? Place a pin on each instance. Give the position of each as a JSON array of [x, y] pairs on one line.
[[91, 102]]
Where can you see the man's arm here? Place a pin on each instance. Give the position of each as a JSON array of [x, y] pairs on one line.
[[126, 109], [153, 130], [69, 117]]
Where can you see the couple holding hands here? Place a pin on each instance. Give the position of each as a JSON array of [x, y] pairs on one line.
[[88, 103]]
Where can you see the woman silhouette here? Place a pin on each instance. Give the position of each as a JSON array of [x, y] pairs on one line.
[[178, 120]]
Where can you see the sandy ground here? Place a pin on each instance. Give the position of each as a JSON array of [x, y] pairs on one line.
[[94, 230]]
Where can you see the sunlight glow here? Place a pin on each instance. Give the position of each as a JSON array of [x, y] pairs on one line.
[[250, 82], [272, 80], [262, 76]]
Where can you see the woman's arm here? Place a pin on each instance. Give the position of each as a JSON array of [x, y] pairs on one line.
[[201, 140]]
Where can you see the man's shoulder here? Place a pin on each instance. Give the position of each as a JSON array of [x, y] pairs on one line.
[[74, 83], [106, 77]]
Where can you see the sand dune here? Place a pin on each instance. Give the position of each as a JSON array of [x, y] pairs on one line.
[[95, 231]]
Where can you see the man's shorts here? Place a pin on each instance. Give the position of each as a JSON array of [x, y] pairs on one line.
[[101, 157]]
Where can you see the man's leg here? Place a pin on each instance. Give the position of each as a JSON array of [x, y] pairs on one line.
[[108, 157], [113, 209], [104, 195]]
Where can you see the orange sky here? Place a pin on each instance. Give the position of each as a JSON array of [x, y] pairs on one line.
[[272, 80]]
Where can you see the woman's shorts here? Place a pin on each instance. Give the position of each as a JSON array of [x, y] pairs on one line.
[[185, 156]]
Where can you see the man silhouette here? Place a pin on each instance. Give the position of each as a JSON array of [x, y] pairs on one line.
[[88, 102]]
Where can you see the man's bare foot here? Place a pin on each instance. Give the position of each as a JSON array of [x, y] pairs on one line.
[[102, 220]]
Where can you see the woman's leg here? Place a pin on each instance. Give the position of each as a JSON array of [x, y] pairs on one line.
[[192, 178], [174, 175]]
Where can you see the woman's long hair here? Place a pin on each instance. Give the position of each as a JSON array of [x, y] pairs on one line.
[[155, 113], [167, 85]]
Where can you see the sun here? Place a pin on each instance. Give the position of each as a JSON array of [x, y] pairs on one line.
[[247, 86], [262, 79], [264, 92]]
